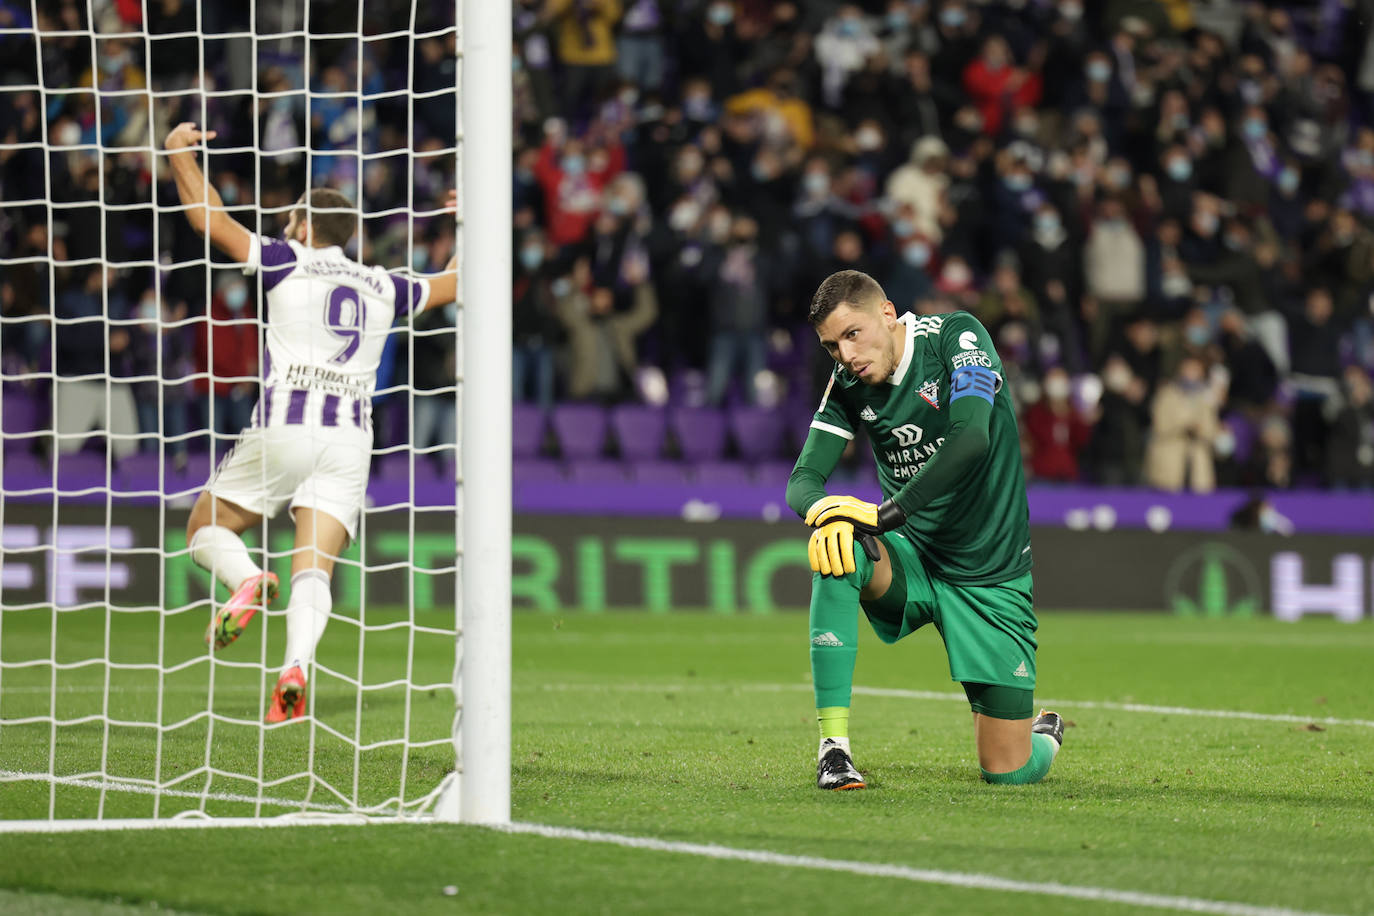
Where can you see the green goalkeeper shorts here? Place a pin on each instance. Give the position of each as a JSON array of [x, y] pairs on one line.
[[989, 630]]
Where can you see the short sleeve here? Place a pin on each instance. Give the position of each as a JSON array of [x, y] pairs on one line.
[[273, 257], [832, 416], [411, 295], [972, 361]]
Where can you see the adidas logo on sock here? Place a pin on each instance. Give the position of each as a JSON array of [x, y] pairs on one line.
[[828, 639], [1021, 671]]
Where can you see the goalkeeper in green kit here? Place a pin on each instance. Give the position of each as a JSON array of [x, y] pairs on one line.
[[950, 543]]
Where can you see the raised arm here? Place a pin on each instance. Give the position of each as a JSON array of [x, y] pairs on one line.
[[206, 214], [443, 289]]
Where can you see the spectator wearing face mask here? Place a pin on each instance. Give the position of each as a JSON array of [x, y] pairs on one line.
[[742, 281], [845, 42], [1350, 456], [1057, 430], [1183, 423], [1052, 271], [1118, 441], [533, 321], [997, 86], [585, 45], [922, 185], [778, 99], [909, 277], [1114, 271], [227, 350], [572, 175]]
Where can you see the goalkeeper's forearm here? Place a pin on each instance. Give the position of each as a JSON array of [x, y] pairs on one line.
[[819, 456]]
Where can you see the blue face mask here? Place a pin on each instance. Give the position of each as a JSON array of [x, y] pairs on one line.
[[236, 297], [720, 15], [574, 164], [1198, 336], [1179, 169], [1288, 181], [849, 27], [1047, 223], [953, 17], [903, 228], [897, 21], [816, 183], [1018, 182], [916, 254], [1254, 129], [1099, 72], [531, 258]]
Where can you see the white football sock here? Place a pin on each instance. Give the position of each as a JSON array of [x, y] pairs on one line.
[[828, 743], [307, 614], [224, 554]]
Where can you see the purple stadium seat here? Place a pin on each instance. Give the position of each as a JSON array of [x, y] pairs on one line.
[[639, 429], [537, 470], [700, 432], [687, 388], [25, 471], [581, 430], [140, 471], [660, 473], [23, 412], [773, 473], [527, 430], [757, 432], [722, 474], [592, 471], [81, 471]]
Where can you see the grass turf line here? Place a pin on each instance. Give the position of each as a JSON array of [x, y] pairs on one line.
[[1260, 812]]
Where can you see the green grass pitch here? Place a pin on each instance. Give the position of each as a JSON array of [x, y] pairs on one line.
[[698, 728]]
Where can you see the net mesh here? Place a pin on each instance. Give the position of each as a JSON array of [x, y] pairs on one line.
[[132, 354]]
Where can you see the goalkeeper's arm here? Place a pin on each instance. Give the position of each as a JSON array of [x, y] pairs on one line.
[[966, 442], [205, 211], [819, 456]]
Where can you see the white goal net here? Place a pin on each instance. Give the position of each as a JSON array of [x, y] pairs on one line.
[[133, 355]]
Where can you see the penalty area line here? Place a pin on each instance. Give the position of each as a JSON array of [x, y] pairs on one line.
[[972, 881]]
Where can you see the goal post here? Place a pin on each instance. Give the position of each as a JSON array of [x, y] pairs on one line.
[[113, 711], [484, 686]]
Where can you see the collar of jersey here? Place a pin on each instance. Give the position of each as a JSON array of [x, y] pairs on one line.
[[899, 373]]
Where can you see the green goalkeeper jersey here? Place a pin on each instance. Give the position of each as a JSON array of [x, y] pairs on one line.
[[966, 507]]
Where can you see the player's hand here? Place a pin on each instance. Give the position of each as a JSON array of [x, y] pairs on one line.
[[831, 550], [451, 201], [863, 515], [186, 134]]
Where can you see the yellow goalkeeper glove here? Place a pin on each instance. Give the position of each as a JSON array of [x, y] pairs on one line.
[[831, 549], [866, 517]]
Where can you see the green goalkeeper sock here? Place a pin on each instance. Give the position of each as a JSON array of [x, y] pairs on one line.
[[1043, 749], [835, 634]]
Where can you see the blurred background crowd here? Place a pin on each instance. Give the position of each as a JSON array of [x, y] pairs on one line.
[[130, 287], [1163, 211], [1160, 210]]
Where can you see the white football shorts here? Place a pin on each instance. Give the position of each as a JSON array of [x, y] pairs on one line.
[[321, 468]]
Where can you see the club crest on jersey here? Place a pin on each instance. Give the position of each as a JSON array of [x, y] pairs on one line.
[[930, 393], [867, 414]]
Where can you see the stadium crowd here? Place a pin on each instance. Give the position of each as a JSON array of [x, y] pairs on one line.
[[1163, 211], [130, 287]]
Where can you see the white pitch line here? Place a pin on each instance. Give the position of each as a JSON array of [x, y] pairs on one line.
[[906, 873], [947, 696], [140, 789]]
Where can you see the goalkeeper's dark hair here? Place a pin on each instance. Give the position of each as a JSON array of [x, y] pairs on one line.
[[329, 228], [852, 286]]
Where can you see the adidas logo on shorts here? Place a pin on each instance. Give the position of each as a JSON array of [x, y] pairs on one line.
[[1021, 671]]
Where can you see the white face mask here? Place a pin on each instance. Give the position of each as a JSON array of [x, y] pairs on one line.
[[1057, 388]]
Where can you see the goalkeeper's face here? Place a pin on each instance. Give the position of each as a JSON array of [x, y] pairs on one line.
[[865, 339]]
